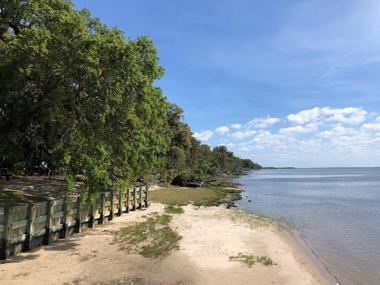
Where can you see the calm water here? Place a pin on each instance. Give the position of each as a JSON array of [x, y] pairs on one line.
[[338, 209]]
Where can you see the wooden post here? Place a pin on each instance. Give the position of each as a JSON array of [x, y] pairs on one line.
[[6, 250], [65, 226], [78, 227], [120, 201], [49, 213], [29, 226], [146, 196], [134, 198], [127, 202], [110, 217], [140, 197], [101, 221], [91, 223]]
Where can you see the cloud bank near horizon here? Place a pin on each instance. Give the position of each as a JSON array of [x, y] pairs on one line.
[[320, 136]]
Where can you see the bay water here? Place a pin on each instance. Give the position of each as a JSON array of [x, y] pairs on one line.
[[335, 211]]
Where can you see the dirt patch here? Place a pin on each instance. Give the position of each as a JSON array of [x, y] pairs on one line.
[[25, 189]]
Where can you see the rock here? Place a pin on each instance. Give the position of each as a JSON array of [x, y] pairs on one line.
[[230, 205]]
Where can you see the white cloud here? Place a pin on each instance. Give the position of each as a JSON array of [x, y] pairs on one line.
[[299, 129], [229, 145], [236, 126], [349, 116], [203, 136], [222, 130], [243, 134], [263, 123], [321, 136], [336, 131], [266, 140], [372, 126], [304, 116]]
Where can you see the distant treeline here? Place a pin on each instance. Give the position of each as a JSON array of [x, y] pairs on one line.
[[78, 95]]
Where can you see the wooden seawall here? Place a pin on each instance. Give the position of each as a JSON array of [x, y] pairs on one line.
[[30, 225]]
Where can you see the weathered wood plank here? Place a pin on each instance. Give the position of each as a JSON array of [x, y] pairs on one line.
[[49, 213], [140, 197], [146, 196], [64, 221], [78, 229], [38, 233], [101, 220], [134, 198], [19, 224], [57, 215], [120, 203], [111, 208], [25, 224], [29, 226], [127, 202], [6, 250]]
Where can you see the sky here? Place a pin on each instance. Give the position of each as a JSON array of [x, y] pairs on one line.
[[285, 83]]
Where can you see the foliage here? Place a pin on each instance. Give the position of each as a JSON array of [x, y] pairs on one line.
[[251, 260], [151, 238], [191, 163], [78, 95]]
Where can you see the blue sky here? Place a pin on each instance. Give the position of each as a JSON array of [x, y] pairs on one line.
[[286, 83]]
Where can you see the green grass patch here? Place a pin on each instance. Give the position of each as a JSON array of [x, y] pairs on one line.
[[171, 209], [251, 260], [195, 196], [151, 238]]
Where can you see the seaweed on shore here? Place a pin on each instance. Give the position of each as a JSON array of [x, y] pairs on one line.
[[250, 260]]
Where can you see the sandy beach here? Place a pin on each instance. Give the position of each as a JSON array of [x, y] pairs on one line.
[[210, 235]]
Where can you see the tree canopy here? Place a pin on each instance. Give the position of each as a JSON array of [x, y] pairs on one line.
[[77, 94]]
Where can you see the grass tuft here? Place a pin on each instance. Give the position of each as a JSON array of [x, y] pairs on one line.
[[151, 238], [251, 260], [171, 209]]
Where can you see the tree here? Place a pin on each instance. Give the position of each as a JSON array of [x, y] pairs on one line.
[[76, 94]]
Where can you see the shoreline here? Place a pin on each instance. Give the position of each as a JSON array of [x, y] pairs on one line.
[[300, 246], [210, 236], [302, 251]]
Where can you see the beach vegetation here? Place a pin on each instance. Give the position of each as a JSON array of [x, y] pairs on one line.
[[250, 260], [150, 238], [174, 209]]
